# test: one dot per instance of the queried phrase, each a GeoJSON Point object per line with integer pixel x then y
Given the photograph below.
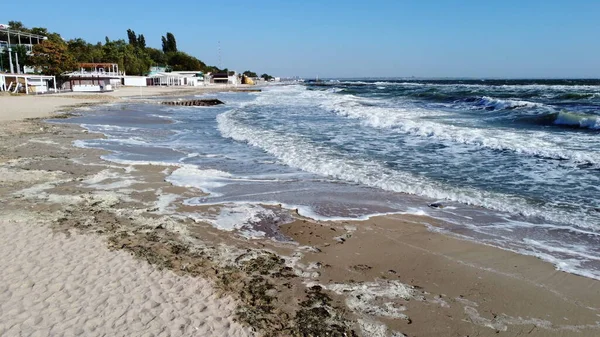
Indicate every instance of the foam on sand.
{"type": "Point", "coordinates": [52, 284]}
{"type": "Point", "coordinates": [206, 180]}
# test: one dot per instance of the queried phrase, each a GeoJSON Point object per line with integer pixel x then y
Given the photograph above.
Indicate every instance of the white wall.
{"type": "Point", "coordinates": [86, 88]}
{"type": "Point", "coordinates": [135, 81]}
{"type": "Point", "coordinates": [40, 86]}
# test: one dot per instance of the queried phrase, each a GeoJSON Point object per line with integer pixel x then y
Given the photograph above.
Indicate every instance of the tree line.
{"type": "Point", "coordinates": [56, 55]}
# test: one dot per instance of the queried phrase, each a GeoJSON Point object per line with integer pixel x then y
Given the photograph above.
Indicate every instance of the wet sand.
{"type": "Point", "coordinates": [387, 276]}
{"type": "Point", "coordinates": [44, 106]}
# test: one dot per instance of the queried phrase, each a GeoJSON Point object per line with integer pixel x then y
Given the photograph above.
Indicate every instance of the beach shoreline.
{"type": "Point", "coordinates": [383, 276]}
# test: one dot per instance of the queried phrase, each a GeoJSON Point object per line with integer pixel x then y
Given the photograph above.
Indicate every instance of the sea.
{"type": "Point", "coordinates": [509, 163]}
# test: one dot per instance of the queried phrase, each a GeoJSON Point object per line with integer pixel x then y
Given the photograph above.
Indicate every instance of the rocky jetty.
{"type": "Point", "coordinates": [195, 102]}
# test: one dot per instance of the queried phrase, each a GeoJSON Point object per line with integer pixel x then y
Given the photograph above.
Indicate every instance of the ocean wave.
{"type": "Point", "coordinates": [578, 120]}
{"type": "Point", "coordinates": [297, 152]}
{"type": "Point", "coordinates": [577, 96]}
{"type": "Point", "coordinates": [487, 85]}
{"type": "Point", "coordinates": [410, 121]}
{"type": "Point", "coordinates": [105, 128]}
{"type": "Point", "coordinates": [491, 103]}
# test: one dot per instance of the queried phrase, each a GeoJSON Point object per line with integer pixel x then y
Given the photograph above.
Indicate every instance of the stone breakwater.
{"type": "Point", "coordinates": [195, 102]}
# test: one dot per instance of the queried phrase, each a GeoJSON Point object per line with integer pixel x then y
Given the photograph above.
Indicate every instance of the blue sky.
{"type": "Point", "coordinates": [349, 38]}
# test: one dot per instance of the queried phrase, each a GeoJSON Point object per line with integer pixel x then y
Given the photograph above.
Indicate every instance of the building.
{"type": "Point", "coordinates": [94, 77]}
{"type": "Point", "coordinates": [27, 83]}
{"type": "Point", "coordinates": [165, 79]}
{"type": "Point", "coordinates": [9, 39]}
{"type": "Point", "coordinates": [135, 81]}
{"type": "Point", "coordinates": [224, 78]}
{"type": "Point", "coordinates": [158, 69]}
{"type": "Point", "coordinates": [177, 78]}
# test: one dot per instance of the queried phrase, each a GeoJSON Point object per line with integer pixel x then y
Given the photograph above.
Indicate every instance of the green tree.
{"type": "Point", "coordinates": [24, 59]}
{"type": "Point", "coordinates": [157, 56]}
{"type": "Point", "coordinates": [266, 77]}
{"type": "Point", "coordinates": [141, 41]}
{"type": "Point", "coordinates": [132, 55]}
{"type": "Point", "coordinates": [17, 25]}
{"type": "Point", "coordinates": [39, 31]}
{"type": "Point", "coordinates": [212, 69]}
{"type": "Point", "coordinates": [169, 44]}
{"type": "Point", "coordinates": [4, 61]}
{"type": "Point", "coordinates": [132, 38]}
{"type": "Point", "coordinates": [180, 61]}
{"type": "Point", "coordinates": [83, 51]}
{"type": "Point", "coordinates": [250, 73]}
{"type": "Point", "coordinates": [52, 58]}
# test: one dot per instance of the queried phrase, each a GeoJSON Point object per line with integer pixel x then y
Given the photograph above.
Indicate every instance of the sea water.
{"type": "Point", "coordinates": [514, 163]}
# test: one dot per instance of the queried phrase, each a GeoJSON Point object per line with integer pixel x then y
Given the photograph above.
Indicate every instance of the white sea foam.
{"type": "Point", "coordinates": [410, 121]}
{"type": "Point", "coordinates": [249, 220]}
{"type": "Point", "coordinates": [500, 104]}
{"type": "Point", "coordinates": [583, 121]}
{"type": "Point", "coordinates": [362, 298]}
{"type": "Point", "coordinates": [207, 180]}
{"type": "Point", "coordinates": [107, 127]}
{"type": "Point", "coordinates": [296, 152]}
{"type": "Point", "coordinates": [237, 216]}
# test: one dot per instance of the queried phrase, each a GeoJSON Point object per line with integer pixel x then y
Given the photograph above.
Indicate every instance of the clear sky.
{"type": "Point", "coordinates": [348, 38]}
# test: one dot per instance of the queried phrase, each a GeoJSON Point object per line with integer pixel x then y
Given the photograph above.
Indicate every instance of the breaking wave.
{"type": "Point", "coordinates": [409, 121]}
{"type": "Point", "coordinates": [297, 152]}
{"type": "Point", "coordinates": [578, 120]}
{"type": "Point", "coordinates": [490, 103]}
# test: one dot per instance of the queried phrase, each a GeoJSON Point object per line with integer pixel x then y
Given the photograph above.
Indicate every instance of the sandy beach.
{"type": "Point", "coordinates": [97, 248]}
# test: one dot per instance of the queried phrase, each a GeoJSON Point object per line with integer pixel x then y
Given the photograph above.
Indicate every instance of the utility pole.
{"type": "Point", "coordinates": [219, 49]}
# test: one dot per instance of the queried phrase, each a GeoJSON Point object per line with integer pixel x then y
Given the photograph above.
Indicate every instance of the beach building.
{"type": "Point", "coordinates": [177, 78]}
{"type": "Point", "coordinates": [158, 69]}
{"type": "Point", "coordinates": [224, 78]}
{"type": "Point", "coordinates": [165, 79]}
{"type": "Point", "coordinates": [135, 81]}
{"type": "Point", "coordinates": [27, 83]}
{"type": "Point", "coordinates": [9, 39]}
{"type": "Point", "coordinates": [94, 77]}
{"type": "Point", "coordinates": [191, 78]}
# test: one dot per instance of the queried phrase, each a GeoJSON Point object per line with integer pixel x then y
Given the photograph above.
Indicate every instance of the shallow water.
{"type": "Point", "coordinates": [515, 163]}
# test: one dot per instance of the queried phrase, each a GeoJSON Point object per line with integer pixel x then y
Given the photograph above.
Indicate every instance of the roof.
{"type": "Point", "coordinates": [95, 75]}
{"type": "Point", "coordinates": [94, 65]}
{"type": "Point", "coordinates": [18, 32]}
{"type": "Point", "coordinates": [220, 75]}
{"type": "Point", "coordinates": [167, 75]}
{"type": "Point", "coordinates": [190, 72]}
{"type": "Point", "coordinates": [47, 77]}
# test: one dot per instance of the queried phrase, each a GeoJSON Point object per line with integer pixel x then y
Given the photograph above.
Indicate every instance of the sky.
{"type": "Point", "coordinates": [348, 38]}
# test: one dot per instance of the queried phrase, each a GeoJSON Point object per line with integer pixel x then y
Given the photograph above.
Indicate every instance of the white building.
{"type": "Point", "coordinates": [224, 78]}
{"type": "Point", "coordinates": [27, 83]}
{"type": "Point", "coordinates": [94, 77]}
{"type": "Point", "coordinates": [177, 78]}
{"type": "Point", "coordinates": [135, 81]}
{"type": "Point", "coordinates": [9, 39]}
